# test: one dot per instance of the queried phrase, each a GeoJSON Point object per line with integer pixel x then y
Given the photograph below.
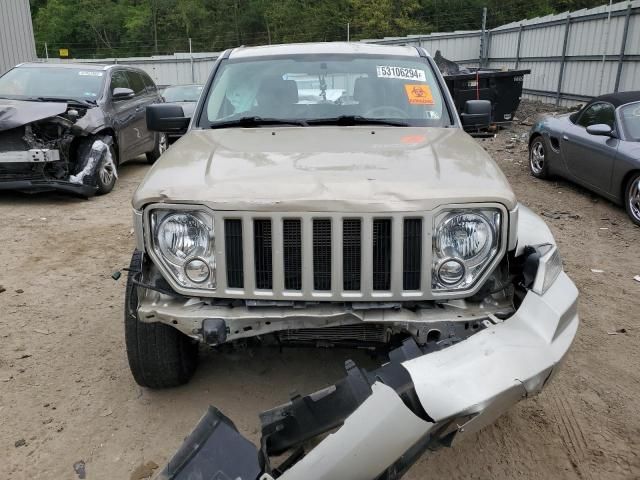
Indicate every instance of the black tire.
{"type": "Point", "coordinates": [102, 168]}
{"type": "Point", "coordinates": [159, 355]}
{"type": "Point", "coordinates": [160, 146]}
{"type": "Point", "coordinates": [538, 162]}
{"type": "Point", "coordinates": [632, 198]}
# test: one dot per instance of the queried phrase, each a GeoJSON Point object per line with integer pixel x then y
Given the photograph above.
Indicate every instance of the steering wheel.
{"type": "Point", "coordinates": [377, 112]}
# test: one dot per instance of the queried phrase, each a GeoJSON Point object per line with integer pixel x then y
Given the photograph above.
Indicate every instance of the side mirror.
{"type": "Point", "coordinates": [122, 93]}
{"type": "Point", "coordinates": [476, 114]}
{"type": "Point", "coordinates": [167, 118]}
{"type": "Point", "coordinates": [600, 129]}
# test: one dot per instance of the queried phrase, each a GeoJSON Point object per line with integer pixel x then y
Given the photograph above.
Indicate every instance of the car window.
{"type": "Point", "coordinates": [182, 93]}
{"type": "Point", "coordinates": [135, 82]}
{"type": "Point", "coordinates": [149, 84]}
{"type": "Point", "coordinates": [118, 80]}
{"type": "Point", "coordinates": [57, 82]}
{"type": "Point", "coordinates": [630, 115]}
{"type": "Point", "coordinates": [317, 87]}
{"type": "Point", "coordinates": [598, 113]}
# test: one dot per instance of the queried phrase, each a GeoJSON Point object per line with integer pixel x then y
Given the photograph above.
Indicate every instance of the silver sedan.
{"type": "Point", "coordinates": [597, 147]}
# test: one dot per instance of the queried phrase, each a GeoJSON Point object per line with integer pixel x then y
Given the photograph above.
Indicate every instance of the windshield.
{"type": "Point", "coordinates": [631, 119]}
{"type": "Point", "coordinates": [51, 82]}
{"type": "Point", "coordinates": [324, 87]}
{"type": "Point", "coordinates": [182, 93]}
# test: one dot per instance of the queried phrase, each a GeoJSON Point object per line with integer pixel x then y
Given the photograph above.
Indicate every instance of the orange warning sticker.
{"type": "Point", "coordinates": [419, 94]}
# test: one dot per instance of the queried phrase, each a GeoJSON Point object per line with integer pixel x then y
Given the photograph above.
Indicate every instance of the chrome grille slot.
{"type": "Point", "coordinates": [292, 253]}
{"type": "Point", "coordinates": [381, 254]}
{"type": "Point", "coordinates": [351, 253]}
{"type": "Point", "coordinates": [263, 253]}
{"type": "Point", "coordinates": [322, 254]}
{"type": "Point", "coordinates": [411, 253]}
{"type": "Point", "coordinates": [233, 252]}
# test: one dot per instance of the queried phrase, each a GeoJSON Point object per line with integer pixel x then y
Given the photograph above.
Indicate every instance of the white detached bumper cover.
{"type": "Point", "coordinates": [476, 380]}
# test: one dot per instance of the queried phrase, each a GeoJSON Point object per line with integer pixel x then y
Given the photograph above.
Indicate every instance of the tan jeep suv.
{"type": "Point", "coordinates": [326, 194]}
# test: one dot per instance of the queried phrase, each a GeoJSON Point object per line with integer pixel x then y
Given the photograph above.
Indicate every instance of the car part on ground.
{"type": "Point", "coordinates": [597, 147]}
{"type": "Point", "coordinates": [69, 127]}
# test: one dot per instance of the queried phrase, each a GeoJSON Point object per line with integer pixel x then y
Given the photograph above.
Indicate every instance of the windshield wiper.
{"type": "Point", "coordinates": [86, 103]}
{"type": "Point", "coordinates": [257, 122]}
{"type": "Point", "coordinates": [349, 120]}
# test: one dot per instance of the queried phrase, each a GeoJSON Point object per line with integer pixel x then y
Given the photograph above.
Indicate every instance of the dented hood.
{"type": "Point", "coordinates": [325, 169]}
{"type": "Point", "coordinates": [15, 113]}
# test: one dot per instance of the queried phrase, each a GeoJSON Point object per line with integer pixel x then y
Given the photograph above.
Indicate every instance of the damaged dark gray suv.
{"type": "Point", "coordinates": [68, 126]}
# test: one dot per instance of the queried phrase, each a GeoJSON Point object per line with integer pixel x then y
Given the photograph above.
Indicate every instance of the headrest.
{"type": "Point", "coordinates": [276, 90]}
{"type": "Point", "coordinates": [365, 88]}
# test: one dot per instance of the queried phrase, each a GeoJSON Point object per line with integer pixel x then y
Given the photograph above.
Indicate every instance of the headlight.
{"type": "Point", "coordinates": [464, 243]}
{"type": "Point", "coordinates": [182, 236]}
{"type": "Point", "coordinates": [185, 242]}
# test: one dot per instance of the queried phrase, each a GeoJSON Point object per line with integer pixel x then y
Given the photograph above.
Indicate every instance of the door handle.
{"type": "Point", "coordinates": [139, 109]}
{"type": "Point", "coordinates": [565, 138]}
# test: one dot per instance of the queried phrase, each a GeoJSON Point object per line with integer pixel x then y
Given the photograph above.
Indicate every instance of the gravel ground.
{"type": "Point", "coordinates": [66, 395]}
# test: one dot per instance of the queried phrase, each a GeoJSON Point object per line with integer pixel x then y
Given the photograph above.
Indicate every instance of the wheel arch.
{"type": "Point", "coordinates": [625, 183]}
{"type": "Point", "coordinates": [112, 133]}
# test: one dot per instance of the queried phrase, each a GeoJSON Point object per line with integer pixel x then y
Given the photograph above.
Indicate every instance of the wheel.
{"type": "Point", "coordinates": [159, 355]}
{"type": "Point", "coordinates": [96, 164]}
{"type": "Point", "coordinates": [107, 173]}
{"type": "Point", "coordinates": [537, 159]}
{"type": "Point", "coordinates": [632, 198]}
{"type": "Point", "coordinates": [162, 143]}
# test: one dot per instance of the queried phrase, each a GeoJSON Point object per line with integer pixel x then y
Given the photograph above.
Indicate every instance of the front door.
{"type": "Point", "coordinates": [590, 158]}
{"type": "Point", "coordinates": [125, 115]}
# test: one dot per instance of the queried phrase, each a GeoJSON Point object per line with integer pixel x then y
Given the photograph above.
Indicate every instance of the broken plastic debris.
{"type": "Point", "coordinates": [116, 275]}
{"type": "Point", "coordinates": [636, 278]}
{"type": "Point", "coordinates": [595, 270]}
{"type": "Point", "coordinates": [79, 468]}
{"type": "Point", "coordinates": [43, 332]}
{"type": "Point", "coordinates": [619, 330]}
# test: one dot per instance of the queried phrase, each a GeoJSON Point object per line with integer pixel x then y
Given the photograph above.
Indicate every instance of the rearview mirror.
{"type": "Point", "coordinates": [476, 114]}
{"type": "Point", "coordinates": [601, 129]}
{"type": "Point", "coordinates": [122, 93]}
{"type": "Point", "coordinates": [167, 118]}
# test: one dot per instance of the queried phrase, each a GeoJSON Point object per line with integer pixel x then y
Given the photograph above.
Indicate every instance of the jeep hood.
{"type": "Point", "coordinates": [365, 169]}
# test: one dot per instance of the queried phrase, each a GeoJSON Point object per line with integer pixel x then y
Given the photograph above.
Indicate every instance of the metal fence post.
{"type": "Point", "coordinates": [564, 58]}
{"type": "Point", "coordinates": [518, 47]}
{"type": "Point", "coordinates": [623, 46]}
{"type": "Point", "coordinates": [483, 38]}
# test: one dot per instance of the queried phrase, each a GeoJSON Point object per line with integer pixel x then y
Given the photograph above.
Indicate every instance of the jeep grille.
{"type": "Point", "coordinates": [334, 251]}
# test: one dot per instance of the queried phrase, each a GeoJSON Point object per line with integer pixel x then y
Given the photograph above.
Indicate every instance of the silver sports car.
{"type": "Point", "coordinates": [597, 147]}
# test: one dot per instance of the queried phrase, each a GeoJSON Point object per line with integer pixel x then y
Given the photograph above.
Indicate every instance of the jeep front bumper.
{"type": "Point", "coordinates": [387, 418]}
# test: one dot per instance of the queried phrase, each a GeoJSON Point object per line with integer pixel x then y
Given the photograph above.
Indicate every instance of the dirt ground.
{"type": "Point", "coordinates": [66, 394]}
